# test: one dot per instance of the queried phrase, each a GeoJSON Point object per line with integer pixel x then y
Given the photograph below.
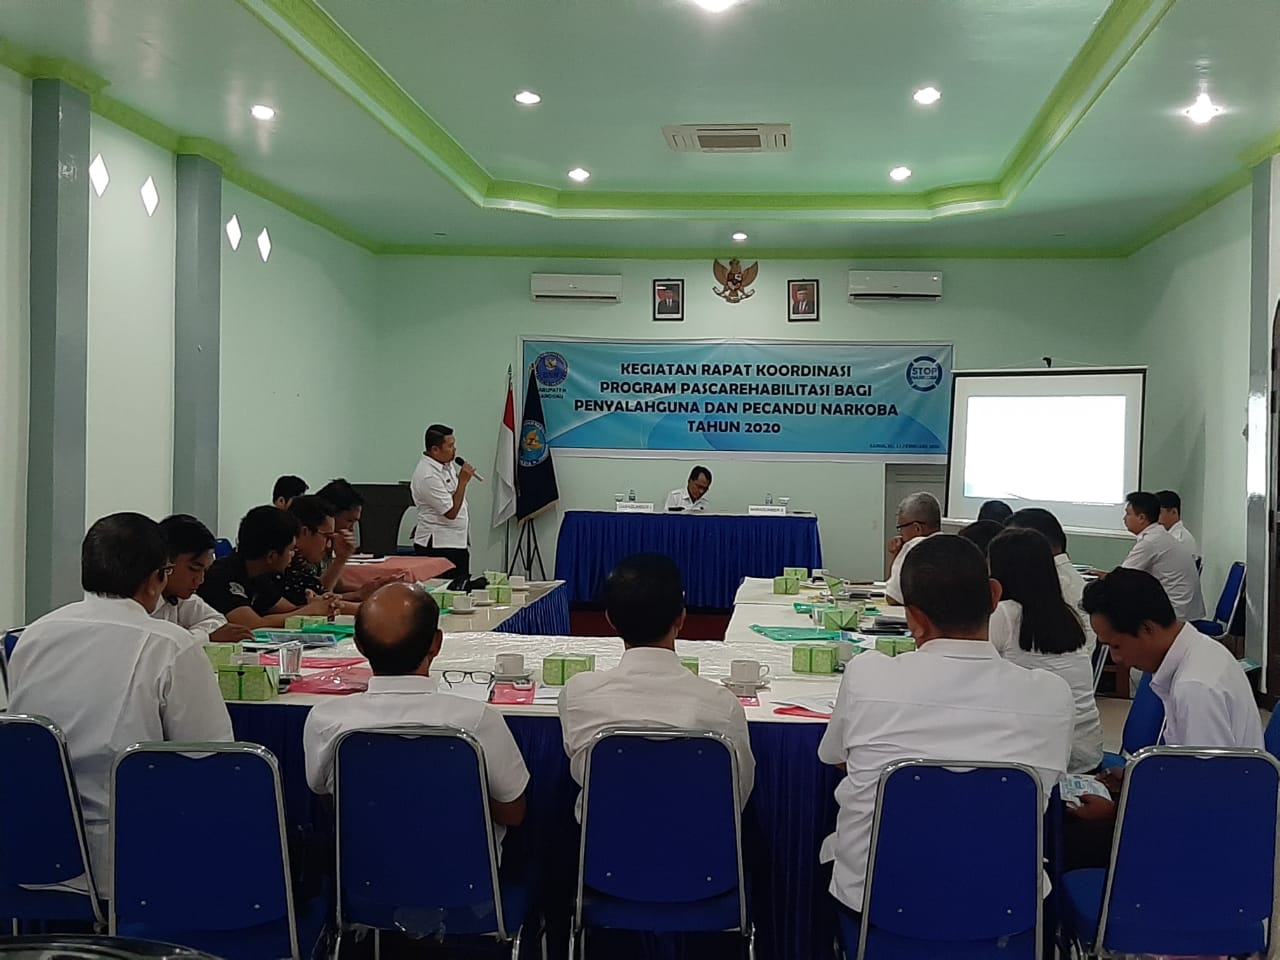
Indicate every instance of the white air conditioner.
{"type": "Point", "coordinates": [605, 288]}
{"type": "Point", "coordinates": [895, 285]}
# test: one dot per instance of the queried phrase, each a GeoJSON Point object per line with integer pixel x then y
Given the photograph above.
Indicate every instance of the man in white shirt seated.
{"type": "Point", "coordinates": [644, 601]}
{"type": "Point", "coordinates": [919, 516]}
{"type": "Point", "coordinates": [1171, 520]}
{"type": "Point", "coordinates": [191, 553]}
{"type": "Point", "coordinates": [1159, 554]}
{"type": "Point", "coordinates": [111, 675]}
{"type": "Point", "coordinates": [693, 498]}
{"type": "Point", "coordinates": [439, 488]}
{"type": "Point", "coordinates": [397, 629]}
{"type": "Point", "coordinates": [954, 698]}
{"type": "Point", "coordinates": [1047, 525]}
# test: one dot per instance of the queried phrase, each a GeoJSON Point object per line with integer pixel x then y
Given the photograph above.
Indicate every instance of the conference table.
{"type": "Point", "coordinates": [714, 551]}
{"type": "Point", "coordinates": [790, 811]}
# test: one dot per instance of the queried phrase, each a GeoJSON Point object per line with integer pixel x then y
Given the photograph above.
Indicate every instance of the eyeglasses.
{"type": "Point", "coordinates": [909, 523]}
{"type": "Point", "coordinates": [453, 677]}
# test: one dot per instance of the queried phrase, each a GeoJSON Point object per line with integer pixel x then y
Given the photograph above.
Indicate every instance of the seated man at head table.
{"type": "Point", "coordinates": [693, 498]}
{"type": "Point", "coordinates": [109, 674]}
{"type": "Point", "coordinates": [1171, 520]}
{"type": "Point", "coordinates": [191, 554]}
{"type": "Point", "coordinates": [1047, 525]}
{"type": "Point", "coordinates": [1158, 553]}
{"type": "Point", "coordinates": [644, 602]}
{"type": "Point", "coordinates": [954, 698]}
{"type": "Point", "coordinates": [1207, 699]}
{"type": "Point", "coordinates": [244, 586]}
{"type": "Point", "coordinates": [919, 517]}
{"type": "Point", "coordinates": [397, 629]}
{"type": "Point", "coordinates": [286, 488]}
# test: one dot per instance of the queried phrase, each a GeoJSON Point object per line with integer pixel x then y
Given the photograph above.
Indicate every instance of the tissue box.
{"type": "Point", "coordinates": [798, 573]}
{"type": "Point", "coordinates": [559, 667]}
{"type": "Point", "coordinates": [249, 682]}
{"type": "Point", "coordinates": [802, 658]}
{"type": "Point", "coordinates": [689, 663]}
{"type": "Point", "coordinates": [834, 585]}
{"type": "Point", "coordinates": [500, 594]}
{"type": "Point", "coordinates": [445, 599]}
{"type": "Point", "coordinates": [892, 646]}
{"type": "Point", "coordinates": [496, 577]}
{"type": "Point", "coordinates": [293, 623]}
{"type": "Point", "coordinates": [841, 618]}
{"type": "Point", "coordinates": [814, 658]}
{"type": "Point", "coordinates": [786, 585]}
{"type": "Point", "coordinates": [220, 654]}
{"type": "Point", "coordinates": [313, 622]}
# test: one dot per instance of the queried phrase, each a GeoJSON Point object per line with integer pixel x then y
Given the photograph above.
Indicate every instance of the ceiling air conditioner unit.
{"type": "Point", "coordinates": [559, 287]}
{"type": "Point", "coordinates": [895, 285]}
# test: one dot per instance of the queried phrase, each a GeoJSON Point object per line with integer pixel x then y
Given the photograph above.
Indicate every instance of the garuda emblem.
{"type": "Point", "coordinates": [734, 280]}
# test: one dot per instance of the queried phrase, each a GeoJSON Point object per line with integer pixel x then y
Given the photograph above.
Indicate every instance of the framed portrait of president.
{"type": "Point", "coordinates": [802, 300]}
{"type": "Point", "coordinates": [668, 300]}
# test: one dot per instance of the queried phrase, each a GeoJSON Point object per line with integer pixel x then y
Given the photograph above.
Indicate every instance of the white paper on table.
{"type": "Point", "coordinates": [467, 690]}
{"type": "Point", "coordinates": [818, 703]}
{"type": "Point", "coordinates": [892, 615]}
{"type": "Point", "coordinates": [545, 694]}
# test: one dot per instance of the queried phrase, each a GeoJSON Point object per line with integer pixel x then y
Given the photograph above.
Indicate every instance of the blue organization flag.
{"type": "Point", "coordinates": [536, 474]}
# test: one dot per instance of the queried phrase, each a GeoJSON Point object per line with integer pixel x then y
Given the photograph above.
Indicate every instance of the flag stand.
{"type": "Point", "coordinates": [528, 542]}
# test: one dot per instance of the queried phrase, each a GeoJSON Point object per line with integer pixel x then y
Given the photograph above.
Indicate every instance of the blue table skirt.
{"type": "Point", "coordinates": [548, 616]}
{"type": "Point", "coordinates": [713, 552]}
{"type": "Point", "coordinates": [791, 809]}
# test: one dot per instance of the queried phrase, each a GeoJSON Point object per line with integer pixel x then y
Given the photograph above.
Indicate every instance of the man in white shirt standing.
{"type": "Point", "coordinates": [693, 498]}
{"type": "Point", "coordinates": [111, 675]}
{"type": "Point", "coordinates": [644, 601]}
{"type": "Point", "coordinates": [919, 516]}
{"type": "Point", "coordinates": [1047, 525]}
{"type": "Point", "coordinates": [439, 488]}
{"type": "Point", "coordinates": [397, 629]}
{"type": "Point", "coordinates": [191, 553]}
{"type": "Point", "coordinates": [954, 698]}
{"type": "Point", "coordinates": [1159, 554]}
{"type": "Point", "coordinates": [1171, 520]}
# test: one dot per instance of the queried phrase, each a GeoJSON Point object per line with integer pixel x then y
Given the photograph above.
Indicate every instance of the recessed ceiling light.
{"type": "Point", "coordinates": [264, 244]}
{"type": "Point", "coordinates": [578, 175]}
{"type": "Point", "coordinates": [261, 111]}
{"type": "Point", "coordinates": [1203, 110]}
{"type": "Point", "coordinates": [715, 6]}
{"type": "Point", "coordinates": [150, 196]}
{"type": "Point", "coordinates": [927, 95]}
{"type": "Point", "coordinates": [440, 233]}
{"type": "Point", "coordinates": [528, 98]}
{"type": "Point", "coordinates": [739, 236]}
{"type": "Point", "coordinates": [899, 173]}
{"type": "Point", "coordinates": [98, 175]}
{"type": "Point", "coordinates": [233, 232]}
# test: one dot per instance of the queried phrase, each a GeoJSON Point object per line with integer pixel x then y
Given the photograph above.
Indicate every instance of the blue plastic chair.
{"type": "Point", "coordinates": [1224, 613]}
{"type": "Point", "coordinates": [200, 852]}
{"type": "Point", "coordinates": [11, 640]}
{"type": "Point", "coordinates": [1193, 866]}
{"type": "Point", "coordinates": [1142, 726]}
{"type": "Point", "coordinates": [1271, 735]}
{"type": "Point", "coordinates": [222, 548]}
{"type": "Point", "coordinates": [936, 891]}
{"type": "Point", "coordinates": [42, 839]}
{"type": "Point", "coordinates": [649, 860]}
{"type": "Point", "coordinates": [431, 875]}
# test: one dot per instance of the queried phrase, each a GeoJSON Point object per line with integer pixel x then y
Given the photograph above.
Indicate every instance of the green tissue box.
{"type": "Point", "coordinates": [500, 594]}
{"type": "Point", "coordinates": [814, 658]}
{"type": "Point", "coordinates": [559, 667]}
{"type": "Point", "coordinates": [834, 585]}
{"type": "Point", "coordinates": [496, 577]}
{"type": "Point", "coordinates": [293, 623]}
{"type": "Point", "coordinates": [802, 658]}
{"type": "Point", "coordinates": [689, 663]}
{"type": "Point", "coordinates": [220, 654]}
{"type": "Point", "coordinates": [786, 585]}
{"type": "Point", "coordinates": [249, 682]}
{"type": "Point", "coordinates": [445, 599]}
{"type": "Point", "coordinates": [798, 573]}
{"type": "Point", "coordinates": [841, 618]}
{"type": "Point", "coordinates": [892, 646]}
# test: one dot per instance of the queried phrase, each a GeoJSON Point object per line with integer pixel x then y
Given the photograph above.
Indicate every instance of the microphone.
{"type": "Point", "coordinates": [462, 463]}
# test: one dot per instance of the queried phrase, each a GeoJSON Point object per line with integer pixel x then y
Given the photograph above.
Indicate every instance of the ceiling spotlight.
{"type": "Point", "coordinates": [927, 95]}
{"type": "Point", "coordinates": [739, 236]}
{"type": "Point", "coordinates": [578, 175]}
{"type": "Point", "coordinates": [260, 111]}
{"type": "Point", "coordinates": [1203, 110]}
{"type": "Point", "coordinates": [899, 173]}
{"type": "Point", "coordinates": [528, 98]}
{"type": "Point", "coordinates": [715, 6]}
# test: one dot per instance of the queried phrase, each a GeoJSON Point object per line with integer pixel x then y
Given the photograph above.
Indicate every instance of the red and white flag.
{"type": "Point", "coordinates": [504, 497]}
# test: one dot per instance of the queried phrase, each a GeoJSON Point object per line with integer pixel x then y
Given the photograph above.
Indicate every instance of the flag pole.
{"type": "Point", "coordinates": [506, 526]}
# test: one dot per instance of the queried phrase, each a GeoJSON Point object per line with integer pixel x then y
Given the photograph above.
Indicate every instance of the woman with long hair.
{"type": "Point", "coordinates": [1033, 627]}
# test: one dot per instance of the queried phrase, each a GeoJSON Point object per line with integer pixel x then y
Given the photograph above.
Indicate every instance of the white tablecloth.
{"type": "Point", "coordinates": [487, 617]}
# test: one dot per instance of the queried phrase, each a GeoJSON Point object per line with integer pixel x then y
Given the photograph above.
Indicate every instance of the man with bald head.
{"type": "Point", "coordinates": [397, 629]}
{"type": "Point", "coordinates": [919, 517]}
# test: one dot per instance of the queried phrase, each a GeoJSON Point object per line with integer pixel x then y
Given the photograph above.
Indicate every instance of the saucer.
{"type": "Point", "coordinates": [463, 613]}
{"type": "Point", "coordinates": [745, 688]}
{"type": "Point", "coordinates": [512, 677]}
{"type": "Point", "coordinates": [482, 603]}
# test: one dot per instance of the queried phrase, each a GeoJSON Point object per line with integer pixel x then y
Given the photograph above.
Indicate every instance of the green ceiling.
{"type": "Point", "coordinates": [1057, 134]}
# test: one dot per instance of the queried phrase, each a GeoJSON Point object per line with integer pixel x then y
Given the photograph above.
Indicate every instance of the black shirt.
{"type": "Point", "coordinates": [228, 586]}
{"type": "Point", "coordinates": [298, 579]}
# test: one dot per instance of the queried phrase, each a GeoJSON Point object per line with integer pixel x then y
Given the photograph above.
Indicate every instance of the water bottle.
{"type": "Point", "coordinates": [631, 495]}
{"type": "Point", "coordinates": [768, 499]}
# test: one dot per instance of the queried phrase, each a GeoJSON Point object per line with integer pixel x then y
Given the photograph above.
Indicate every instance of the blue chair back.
{"type": "Point", "coordinates": [1229, 599]}
{"type": "Point", "coordinates": [222, 548]}
{"type": "Point", "coordinates": [1145, 720]}
{"type": "Point", "coordinates": [412, 871]}
{"type": "Point", "coordinates": [1271, 735]}
{"type": "Point", "coordinates": [11, 641]}
{"type": "Point", "coordinates": [927, 880]}
{"type": "Point", "coordinates": [642, 838]}
{"type": "Point", "coordinates": [42, 838]}
{"type": "Point", "coordinates": [1193, 866]}
{"type": "Point", "coordinates": [199, 847]}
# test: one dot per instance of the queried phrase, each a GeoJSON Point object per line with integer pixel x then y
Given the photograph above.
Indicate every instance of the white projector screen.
{"type": "Point", "coordinates": [1067, 440]}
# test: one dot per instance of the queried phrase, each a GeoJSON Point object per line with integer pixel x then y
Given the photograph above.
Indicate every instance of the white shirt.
{"type": "Point", "coordinates": [650, 688]}
{"type": "Point", "coordinates": [893, 586]}
{"type": "Point", "coordinates": [192, 614]}
{"type": "Point", "coordinates": [110, 675]}
{"type": "Point", "coordinates": [391, 701]}
{"type": "Point", "coordinates": [949, 700]}
{"type": "Point", "coordinates": [1075, 667]}
{"type": "Point", "coordinates": [680, 498]}
{"type": "Point", "coordinates": [1073, 592]}
{"type": "Point", "coordinates": [1174, 565]}
{"type": "Point", "coordinates": [432, 486]}
{"type": "Point", "coordinates": [1180, 533]}
{"type": "Point", "coordinates": [1207, 698]}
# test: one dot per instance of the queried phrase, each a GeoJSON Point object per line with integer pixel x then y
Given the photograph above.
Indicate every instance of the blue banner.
{"type": "Point", "coordinates": [879, 401]}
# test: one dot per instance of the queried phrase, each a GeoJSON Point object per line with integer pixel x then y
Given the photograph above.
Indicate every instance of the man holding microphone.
{"type": "Point", "coordinates": [439, 488]}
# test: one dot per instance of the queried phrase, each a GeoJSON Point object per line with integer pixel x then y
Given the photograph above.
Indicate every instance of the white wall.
{"type": "Point", "coordinates": [129, 423]}
{"type": "Point", "coordinates": [447, 330]}
{"type": "Point", "coordinates": [15, 218]}
{"type": "Point", "coordinates": [295, 334]}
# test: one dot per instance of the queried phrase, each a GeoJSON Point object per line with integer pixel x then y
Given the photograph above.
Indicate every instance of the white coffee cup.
{"type": "Point", "coordinates": [519, 583]}
{"type": "Point", "coordinates": [480, 596]}
{"type": "Point", "coordinates": [509, 664]}
{"type": "Point", "coordinates": [462, 604]}
{"type": "Point", "coordinates": [820, 573]}
{"type": "Point", "coordinates": [748, 671]}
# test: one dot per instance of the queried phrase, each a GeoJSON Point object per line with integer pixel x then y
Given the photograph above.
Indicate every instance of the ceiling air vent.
{"type": "Point", "coordinates": [728, 137]}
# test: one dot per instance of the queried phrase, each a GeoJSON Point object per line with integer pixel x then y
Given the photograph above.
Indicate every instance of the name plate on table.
{"type": "Point", "coordinates": [766, 510]}
{"type": "Point", "coordinates": [630, 506]}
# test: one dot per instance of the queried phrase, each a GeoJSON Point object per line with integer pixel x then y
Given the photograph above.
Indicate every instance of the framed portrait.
{"type": "Point", "coordinates": [668, 299]}
{"type": "Point", "coordinates": [802, 300]}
